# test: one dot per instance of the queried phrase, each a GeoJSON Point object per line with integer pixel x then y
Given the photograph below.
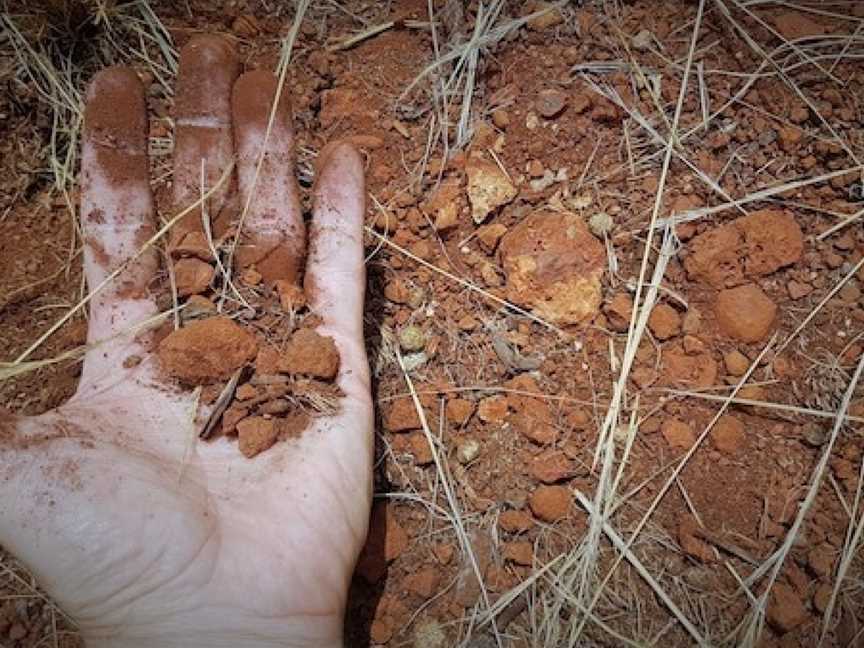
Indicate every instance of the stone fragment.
{"type": "Point", "coordinates": [786, 610]}
{"type": "Point", "coordinates": [206, 350]}
{"type": "Point", "coordinates": [192, 276]}
{"type": "Point", "coordinates": [255, 434]}
{"type": "Point", "coordinates": [751, 246]}
{"type": "Point", "coordinates": [550, 503]}
{"type": "Point", "coordinates": [553, 266]}
{"type": "Point", "coordinates": [745, 313]}
{"type": "Point", "coordinates": [664, 322]}
{"type": "Point", "coordinates": [678, 434]}
{"type": "Point", "coordinates": [728, 434]}
{"type": "Point", "coordinates": [488, 188]}
{"type": "Point", "coordinates": [309, 353]}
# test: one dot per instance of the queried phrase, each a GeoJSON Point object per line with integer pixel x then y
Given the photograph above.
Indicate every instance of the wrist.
{"type": "Point", "coordinates": [306, 632]}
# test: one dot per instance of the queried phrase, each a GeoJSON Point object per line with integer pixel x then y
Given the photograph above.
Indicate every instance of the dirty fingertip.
{"type": "Point", "coordinates": [339, 157]}
{"type": "Point", "coordinates": [252, 101]}
{"type": "Point", "coordinates": [115, 113]}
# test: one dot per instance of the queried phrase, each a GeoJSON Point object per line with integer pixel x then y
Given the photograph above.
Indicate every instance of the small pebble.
{"type": "Point", "coordinates": [642, 40]}
{"type": "Point", "coordinates": [550, 103]}
{"type": "Point", "coordinates": [412, 338]}
{"type": "Point", "coordinates": [467, 451]}
{"type": "Point", "coordinates": [600, 223]}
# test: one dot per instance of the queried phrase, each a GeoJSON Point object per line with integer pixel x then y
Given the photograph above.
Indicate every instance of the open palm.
{"type": "Point", "coordinates": [147, 536]}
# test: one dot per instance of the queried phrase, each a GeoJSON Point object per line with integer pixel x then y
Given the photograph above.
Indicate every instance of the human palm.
{"type": "Point", "coordinates": [146, 535]}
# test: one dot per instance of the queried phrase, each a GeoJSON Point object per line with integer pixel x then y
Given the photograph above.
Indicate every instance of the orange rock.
{"type": "Point", "coordinates": [397, 292]}
{"type": "Point", "coordinates": [385, 542]}
{"type": "Point", "coordinates": [618, 311]}
{"type": "Point", "coordinates": [750, 246]}
{"type": "Point", "coordinates": [736, 363]}
{"type": "Point", "coordinates": [550, 102]}
{"type": "Point", "coordinates": [206, 350]}
{"type": "Point", "coordinates": [679, 368]}
{"type": "Point", "coordinates": [420, 449]}
{"type": "Point", "coordinates": [232, 416]}
{"type": "Point", "coordinates": [790, 137]}
{"type": "Point", "coordinates": [664, 322]}
{"type": "Point", "coordinates": [192, 276]}
{"type": "Point", "coordinates": [745, 313]}
{"type": "Point", "coordinates": [401, 415]}
{"type": "Point", "coordinates": [245, 392]}
{"type": "Point", "coordinates": [728, 434]}
{"type": "Point", "coordinates": [255, 434]}
{"type": "Point", "coordinates": [423, 583]}
{"type": "Point", "coordinates": [267, 360]}
{"type": "Point", "coordinates": [550, 503]}
{"type": "Point", "coordinates": [336, 105]}
{"type": "Point", "coordinates": [677, 433]}
{"type": "Point", "coordinates": [515, 521]}
{"type": "Point", "coordinates": [535, 424]}
{"type": "Point", "coordinates": [311, 354]}
{"type": "Point", "coordinates": [381, 630]}
{"type": "Point", "coordinates": [459, 410]}
{"type": "Point", "coordinates": [489, 235]}
{"type": "Point", "coordinates": [690, 543]}
{"type": "Point", "coordinates": [492, 409]}
{"type": "Point", "coordinates": [820, 560]}
{"type": "Point", "coordinates": [551, 466]}
{"type": "Point", "coordinates": [193, 244]}
{"type": "Point", "coordinates": [445, 204]}
{"type": "Point", "coordinates": [786, 611]}
{"type": "Point", "coordinates": [519, 552]}
{"type": "Point", "coordinates": [553, 266]}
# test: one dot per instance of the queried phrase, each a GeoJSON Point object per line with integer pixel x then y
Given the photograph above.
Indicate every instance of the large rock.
{"type": "Point", "coordinates": [553, 266]}
{"type": "Point", "coordinates": [750, 246]}
{"type": "Point", "coordinates": [207, 350]}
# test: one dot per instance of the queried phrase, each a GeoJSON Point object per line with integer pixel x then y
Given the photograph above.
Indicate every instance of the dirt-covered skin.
{"type": "Point", "coordinates": [143, 535]}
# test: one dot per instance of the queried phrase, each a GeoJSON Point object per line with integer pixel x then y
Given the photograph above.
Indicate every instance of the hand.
{"type": "Point", "coordinates": [145, 535]}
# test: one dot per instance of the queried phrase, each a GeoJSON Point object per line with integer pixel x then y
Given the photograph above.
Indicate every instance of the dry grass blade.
{"type": "Point", "coordinates": [452, 502]}
{"type": "Point", "coordinates": [774, 563]}
{"type": "Point", "coordinates": [676, 473]}
{"type": "Point", "coordinates": [724, 11]}
{"type": "Point", "coordinates": [620, 545]}
{"type": "Point", "coordinates": [762, 194]}
{"type": "Point", "coordinates": [822, 302]}
{"type": "Point", "coordinates": [780, 407]}
{"type": "Point", "coordinates": [851, 547]}
{"type": "Point", "coordinates": [10, 370]}
{"type": "Point", "coordinates": [371, 32]}
{"type": "Point", "coordinates": [584, 574]}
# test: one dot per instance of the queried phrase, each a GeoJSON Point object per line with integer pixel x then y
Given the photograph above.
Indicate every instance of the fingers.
{"type": "Point", "coordinates": [117, 211]}
{"type": "Point", "coordinates": [202, 133]}
{"type": "Point", "coordinates": [273, 221]}
{"type": "Point", "coordinates": [335, 280]}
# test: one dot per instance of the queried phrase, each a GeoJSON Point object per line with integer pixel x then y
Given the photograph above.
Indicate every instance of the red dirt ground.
{"type": "Point", "coordinates": [516, 404]}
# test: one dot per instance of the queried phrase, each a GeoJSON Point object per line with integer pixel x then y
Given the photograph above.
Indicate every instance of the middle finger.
{"type": "Point", "coordinates": [202, 134]}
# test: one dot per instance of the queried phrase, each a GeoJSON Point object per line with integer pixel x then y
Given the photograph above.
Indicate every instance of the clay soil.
{"type": "Point", "coordinates": [503, 268]}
